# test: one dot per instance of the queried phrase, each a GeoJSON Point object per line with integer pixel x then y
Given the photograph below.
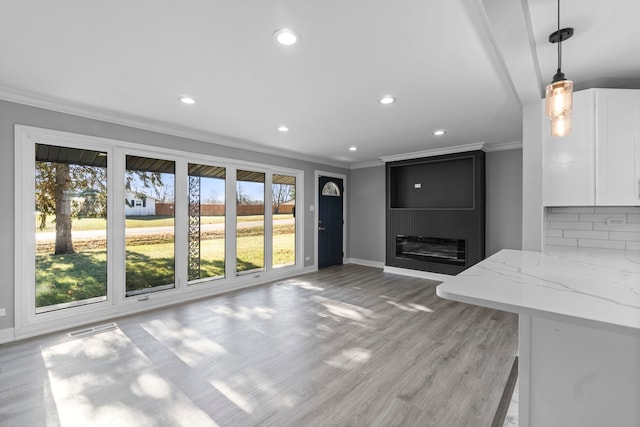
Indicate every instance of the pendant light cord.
{"type": "Point", "coordinates": [559, 41]}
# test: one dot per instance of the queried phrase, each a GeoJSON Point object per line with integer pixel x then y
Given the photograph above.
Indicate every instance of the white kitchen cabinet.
{"type": "Point", "coordinates": [568, 165]}
{"type": "Point", "coordinates": [618, 147]}
{"type": "Point", "coordinates": [598, 164]}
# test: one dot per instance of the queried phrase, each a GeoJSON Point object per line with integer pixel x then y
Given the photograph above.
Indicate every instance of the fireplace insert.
{"type": "Point", "coordinates": [431, 249]}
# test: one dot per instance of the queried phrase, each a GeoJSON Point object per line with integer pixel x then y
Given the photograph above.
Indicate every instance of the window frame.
{"type": "Point", "coordinates": [28, 323]}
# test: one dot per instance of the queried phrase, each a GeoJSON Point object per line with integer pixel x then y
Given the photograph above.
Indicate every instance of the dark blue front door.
{"type": "Point", "coordinates": [330, 221]}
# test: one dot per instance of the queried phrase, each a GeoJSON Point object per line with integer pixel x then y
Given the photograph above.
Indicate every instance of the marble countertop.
{"type": "Point", "coordinates": [601, 285]}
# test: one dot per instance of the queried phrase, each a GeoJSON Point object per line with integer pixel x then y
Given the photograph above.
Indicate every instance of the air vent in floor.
{"type": "Point", "coordinates": [93, 330]}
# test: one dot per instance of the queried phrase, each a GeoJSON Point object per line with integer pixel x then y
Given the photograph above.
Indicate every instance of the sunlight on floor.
{"type": "Point", "coordinates": [245, 313]}
{"type": "Point", "coordinates": [253, 391]}
{"type": "Point", "coordinates": [238, 399]}
{"type": "Point", "coordinates": [412, 307]}
{"type": "Point", "coordinates": [104, 379]}
{"type": "Point", "coordinates": [187, 344]}
{"type": "Point", "coordinates": [151, 385]}
{"type": "Point", "coordinates": [350, 358]}
{"type": "Point", "coordinates": [344, 310]}
{"type": "Point", "coordinates": [304, 285]}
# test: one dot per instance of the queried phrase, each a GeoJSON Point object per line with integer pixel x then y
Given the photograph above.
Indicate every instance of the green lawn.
{"type": "Point", "coordinates": [79, 276]}
{"type": "Point", "coordinates": [81, 224]}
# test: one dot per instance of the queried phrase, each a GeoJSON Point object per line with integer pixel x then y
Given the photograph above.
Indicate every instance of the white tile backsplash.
{"type": "Point", "coordinates": [600, 217]}
{"type": "Point", "coordinates": [570, 225]}
{"type": "Point", "coordinates": [572, 209]}
{"type": "Point", "coordinates": [621, 235]}
{"type": "Point", "coordinates": [554, 233]}
{"type": "Point", "coordinates": [615, 227]}
{"type": "Point", "coordinates": [563, 217]}
{"type": "Point", "coordinates": [560, 241]}
{"type": "Point", "coordinates": [586, 234]}
{"type": "Point", "coordinates": [617, 209]}
{"type": "Point", "coordinates": [604, 244]}
{"type": "Point", "coordinates": [633, 246]}
{"type": "Point", "coordinates": [633, 217]}
{"type": "Point", "coordinates": [586, 226]}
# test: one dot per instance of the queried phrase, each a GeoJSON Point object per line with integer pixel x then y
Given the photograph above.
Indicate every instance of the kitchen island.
{"type": "Point", "coordinates": [579, 330]}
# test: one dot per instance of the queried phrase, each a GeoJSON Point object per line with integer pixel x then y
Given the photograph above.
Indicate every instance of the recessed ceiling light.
{"type": "Point", "coordinates": [353, 148]}
{"type": "Point", "coordinates": [286, 37]}
{"type": "Point", "coordinates": [187, 100]}
{"type": "Point", "coordinates": [387, 100]}
{"type": "Point", "coordinates": [439, 132]}
{"type": "Point", "coordinates": [283, 129]}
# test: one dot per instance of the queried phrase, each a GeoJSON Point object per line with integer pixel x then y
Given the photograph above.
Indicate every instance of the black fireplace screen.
{"type": "Point", "coordinates": [431, 249]}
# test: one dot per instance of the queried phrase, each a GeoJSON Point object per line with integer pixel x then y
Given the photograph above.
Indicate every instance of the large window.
{"type": "Point", "coordinates": [105, 225]}
{"type": "Point", "coordinates": [150, 224]}
{"type": "Point", "coordinates": [71, 227]}
{"type": "Point", "coordinates": [283, 198]}
{"type": "Point", "coordinates": [206, 221]}
{"type": "Point", "coordinates": [249, 221]}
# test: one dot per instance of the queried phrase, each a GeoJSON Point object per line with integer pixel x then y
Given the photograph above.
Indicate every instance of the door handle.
{"type": "Point", "coordinates": [321, 228]}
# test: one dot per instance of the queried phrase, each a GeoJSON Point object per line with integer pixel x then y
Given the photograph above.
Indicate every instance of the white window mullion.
{"type": "Point", "coordinates": [116, 226]}
{"type": "Point", "coordinates": [25, 301]}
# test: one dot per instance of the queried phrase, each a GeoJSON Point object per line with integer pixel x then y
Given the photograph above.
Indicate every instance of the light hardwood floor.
{"type": "Point", "coordinates": [345, 346]}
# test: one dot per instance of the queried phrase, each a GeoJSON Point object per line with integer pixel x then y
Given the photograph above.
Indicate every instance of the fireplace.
{"type": "Point", "coordinates": [436, 212]}
{"type": "Point", "coordinates": [431, 249]}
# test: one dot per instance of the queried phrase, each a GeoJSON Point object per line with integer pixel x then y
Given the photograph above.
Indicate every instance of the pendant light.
{"type": "Point", "coordinates": [559, 93]}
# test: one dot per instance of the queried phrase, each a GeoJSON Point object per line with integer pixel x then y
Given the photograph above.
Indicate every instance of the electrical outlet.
{"type": "Point", "coordinates": [307, 258]}
{"type": "Point", "coordinates": [3, 312]}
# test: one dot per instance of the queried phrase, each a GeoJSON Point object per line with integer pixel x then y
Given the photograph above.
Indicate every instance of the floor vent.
{"type": "Point", "coordinates": [93, 330]}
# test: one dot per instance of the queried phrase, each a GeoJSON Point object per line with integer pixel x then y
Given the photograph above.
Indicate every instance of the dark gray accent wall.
{"type": "Point", "coordinates": [503, 207]}
{"type": "Point", "coordinates": [366, 211]}
{"type": "Point", "coordinates": [436, 211]}
{"type": "Point", "coordinates": [504, 200]}
{"type": "Point", "coordinates": [13, 113]}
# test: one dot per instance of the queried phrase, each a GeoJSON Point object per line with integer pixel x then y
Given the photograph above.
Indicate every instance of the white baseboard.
{"type": "Point", "coordinates": [365, 262]}
{"type": "Point", "coordinates": [417, 273]}
{"type": "Point", "coordinates": [6, 335]}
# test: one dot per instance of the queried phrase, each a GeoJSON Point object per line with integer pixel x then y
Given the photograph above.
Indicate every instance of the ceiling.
{"type": "Point", "coordinates": [466, 66]}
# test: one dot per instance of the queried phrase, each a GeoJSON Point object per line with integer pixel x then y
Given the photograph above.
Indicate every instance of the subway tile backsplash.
{"type": "Point", "coordinates": [609, 227]}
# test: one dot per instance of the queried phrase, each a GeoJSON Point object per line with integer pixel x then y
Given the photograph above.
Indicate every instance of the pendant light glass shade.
{"type": "Point", "coordinates": [561, 125]}
{"type": "Point", "coordinates": [558, 106]}
{"type": "Point", "coordinates": [559, 93]}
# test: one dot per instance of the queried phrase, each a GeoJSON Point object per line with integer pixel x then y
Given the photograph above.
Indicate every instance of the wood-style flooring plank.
{"type": "Point", "coordinates": [344, 346]}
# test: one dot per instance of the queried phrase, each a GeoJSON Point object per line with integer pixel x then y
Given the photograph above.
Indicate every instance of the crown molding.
{"type": "Point", "coordinates": [81, 110]}
{"type": "Point", "coordinates": [502, 146]}
{"type": "Point", "coordinates": [371, 164]}
{"type": "Point", "coordinates": [434, 152]}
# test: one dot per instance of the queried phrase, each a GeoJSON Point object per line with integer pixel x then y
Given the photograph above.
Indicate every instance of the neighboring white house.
{"type": "Point", "coordinates": [139, 205]}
